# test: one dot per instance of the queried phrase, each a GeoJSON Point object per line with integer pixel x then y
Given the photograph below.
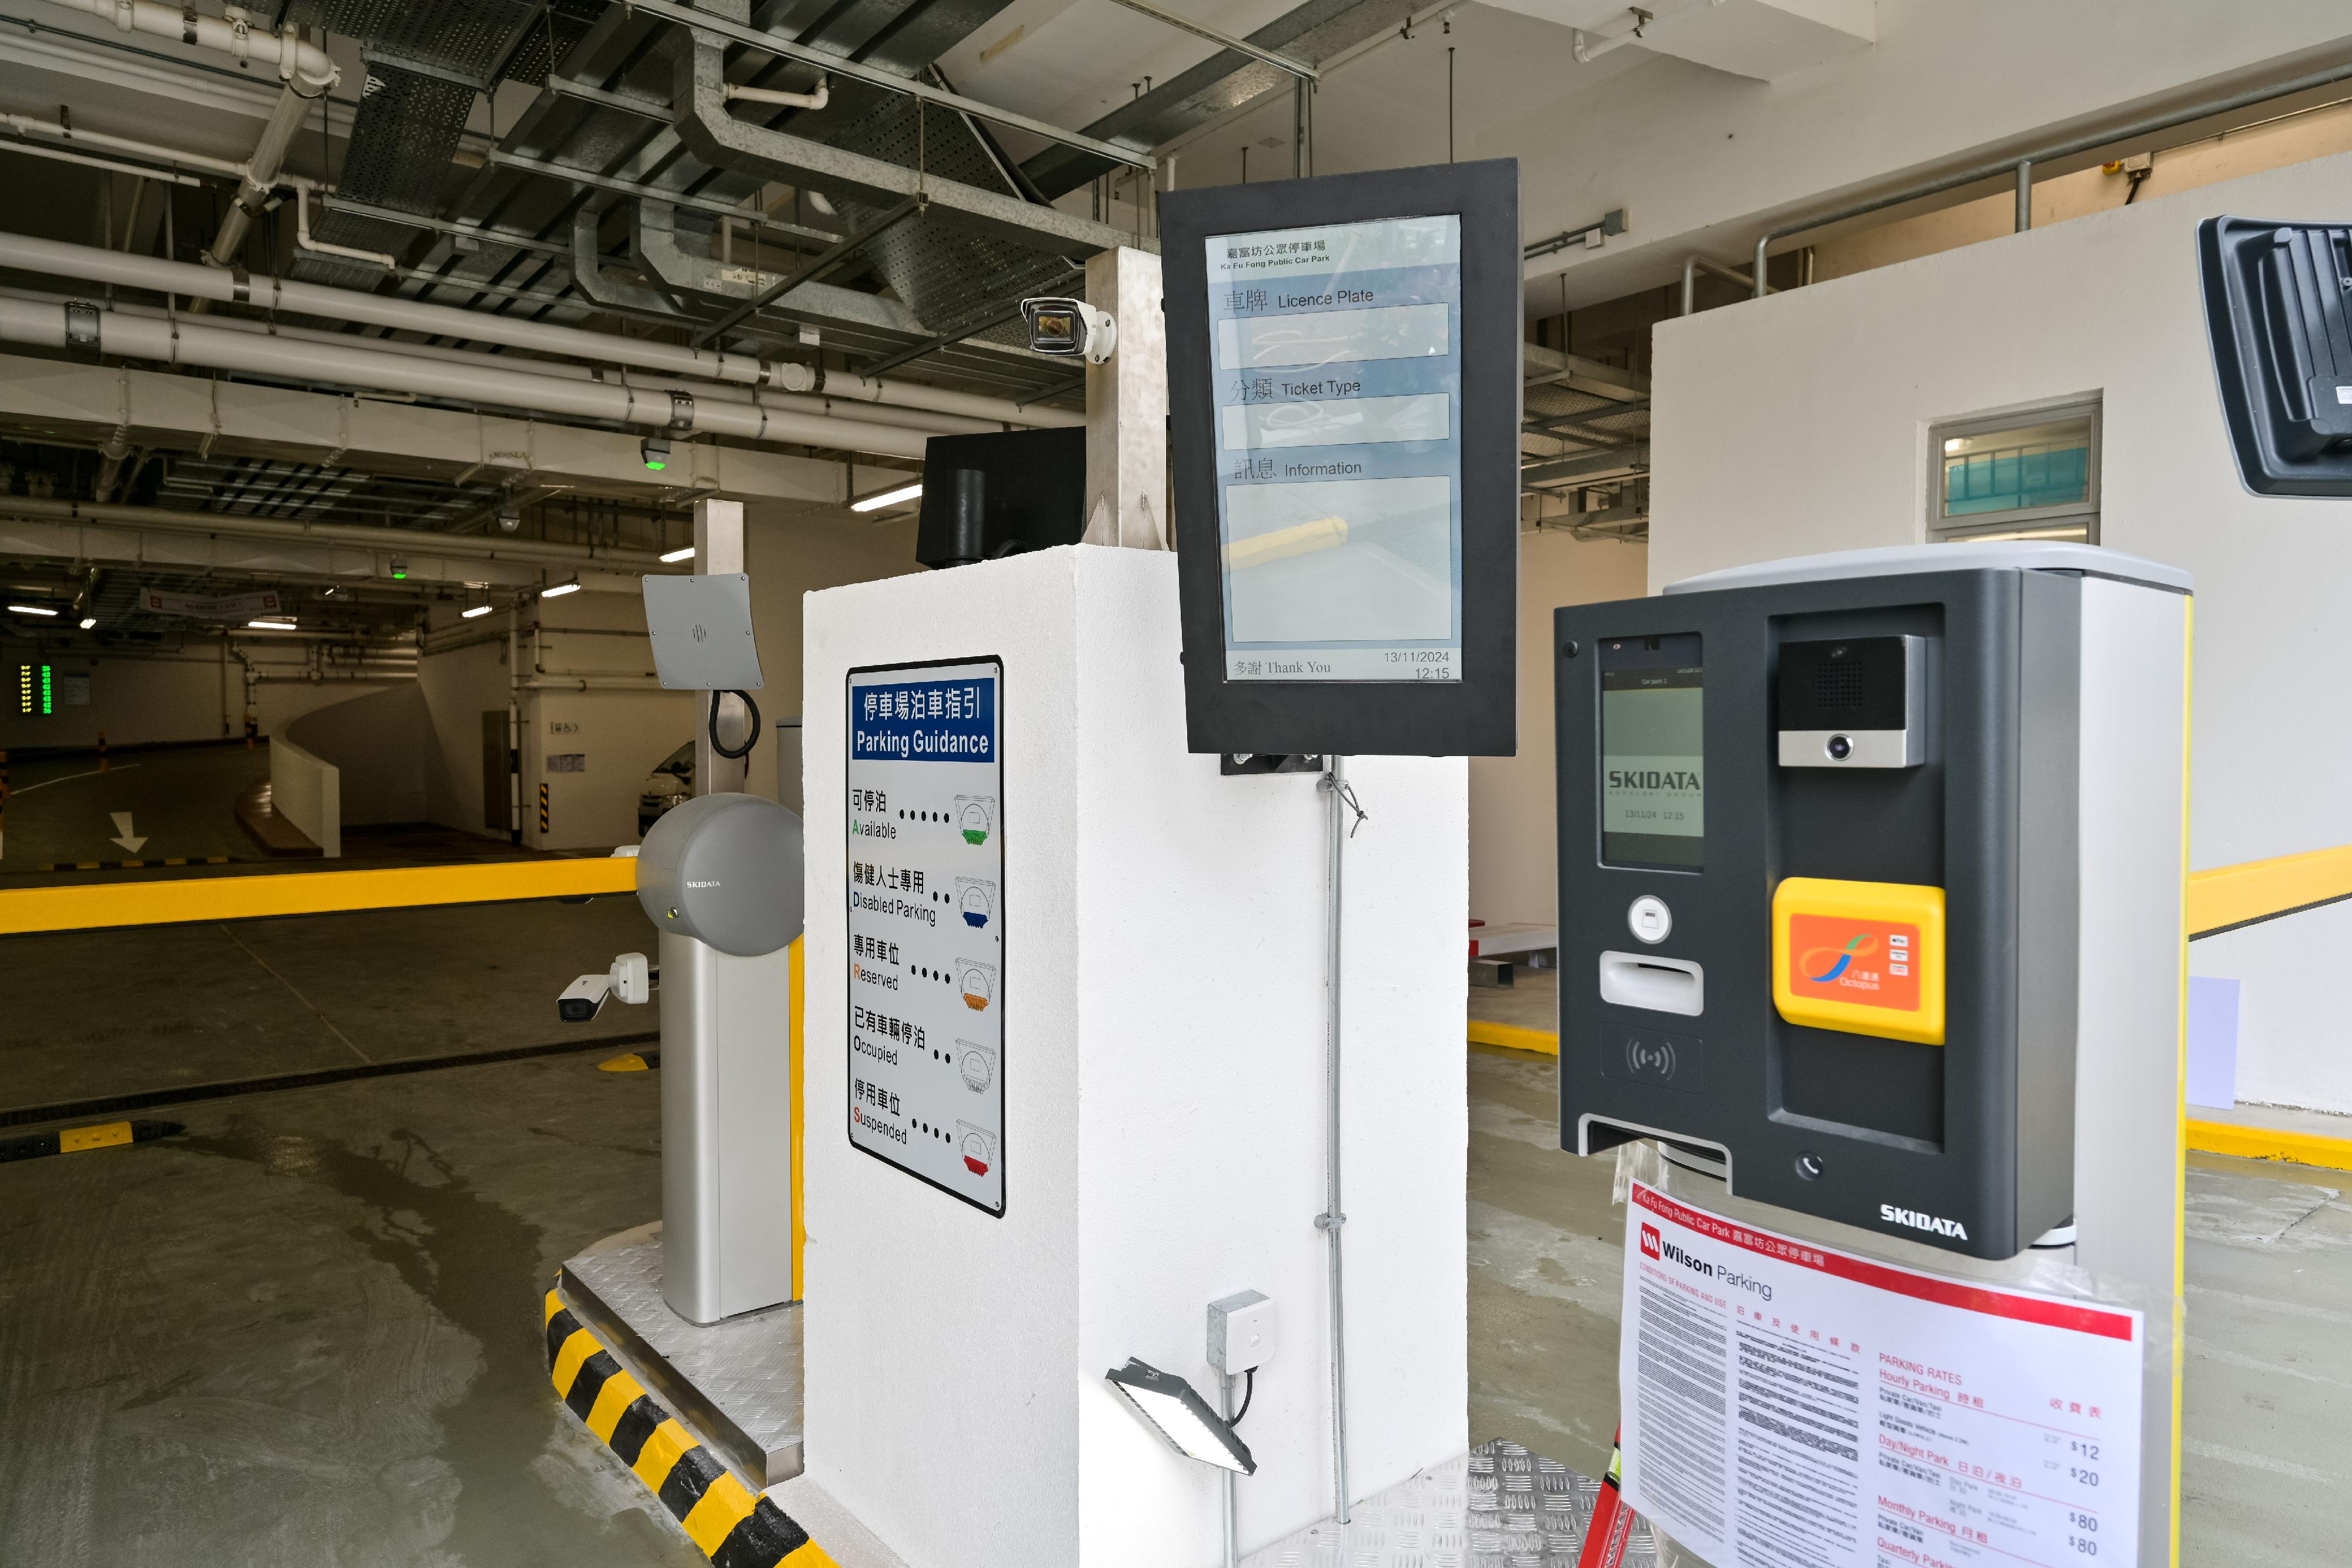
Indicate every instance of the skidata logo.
{"type": "Point", "coordinates": [1918, 1222]}
{"type": "Point", "coordinates": [1649, 1242]}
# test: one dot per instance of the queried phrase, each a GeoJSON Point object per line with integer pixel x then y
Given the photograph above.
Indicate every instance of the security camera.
{"type": "Point", "coordinates": [1069, 329]}
{"type": "Point", "coordinates": [630, 978]}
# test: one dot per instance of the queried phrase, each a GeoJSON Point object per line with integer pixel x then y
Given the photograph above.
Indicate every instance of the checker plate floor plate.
{"type": "Point", "coordinates": [1498, 1506]}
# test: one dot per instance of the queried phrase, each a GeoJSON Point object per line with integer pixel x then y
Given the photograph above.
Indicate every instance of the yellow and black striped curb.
{"type": "Point", "coordinates": [734, 1526]}
{"type": "Point", "coordinates": [74, 1140]}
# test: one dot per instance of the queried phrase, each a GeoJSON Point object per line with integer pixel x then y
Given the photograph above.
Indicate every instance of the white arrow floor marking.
{"type": "Point", "coordinates": [123, 834]}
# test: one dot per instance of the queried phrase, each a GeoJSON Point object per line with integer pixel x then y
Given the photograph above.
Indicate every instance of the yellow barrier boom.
{"type": "Point", "coordinates": [95, 905]}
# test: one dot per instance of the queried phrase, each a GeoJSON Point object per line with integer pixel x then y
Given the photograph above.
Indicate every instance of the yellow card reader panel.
{"type": "Point", "coordinates": [1864, 957]}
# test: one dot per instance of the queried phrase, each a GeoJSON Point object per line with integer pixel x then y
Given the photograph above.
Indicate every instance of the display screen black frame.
{"type": "Point", "coordinates": [1476, 715]}
{"type": "Point", "coordinates": [1677, 660]}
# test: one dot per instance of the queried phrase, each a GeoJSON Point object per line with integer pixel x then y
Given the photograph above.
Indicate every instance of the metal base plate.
{"type": "Point", "coordinates": [736, 1382]}
{"type": "Point", "coordinates": [1498, 1506]}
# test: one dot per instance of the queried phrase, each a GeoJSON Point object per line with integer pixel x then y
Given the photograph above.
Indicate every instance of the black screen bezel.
{"type": "Point", "coordinates": [1476, 715]}
{"type": "Point", "coordinates": [1613, 655]}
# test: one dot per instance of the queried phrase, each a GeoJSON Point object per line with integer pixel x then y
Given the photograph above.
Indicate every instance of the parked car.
{"type": "Point", "coordinates": [672, 784]}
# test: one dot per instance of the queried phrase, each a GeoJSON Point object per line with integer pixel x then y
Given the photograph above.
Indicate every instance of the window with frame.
{"type": "Point", "coordinates": [2020, 476]}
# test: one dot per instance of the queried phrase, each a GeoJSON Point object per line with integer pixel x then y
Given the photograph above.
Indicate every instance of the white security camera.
{"type": "Point", "coordinates": [1069, 329]}
{"type": "Point", "coordinates": [630, 978]}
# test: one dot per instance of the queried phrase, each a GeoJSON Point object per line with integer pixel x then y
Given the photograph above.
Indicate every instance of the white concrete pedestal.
{"type": "Point", "coordinates": [1164, 1067]}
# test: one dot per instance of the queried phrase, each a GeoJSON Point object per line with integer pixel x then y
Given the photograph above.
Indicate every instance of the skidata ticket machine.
{"type": "Point", "coordinates": [1851, 854]}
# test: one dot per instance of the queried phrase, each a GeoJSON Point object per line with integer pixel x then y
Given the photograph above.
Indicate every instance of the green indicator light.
{"type": "Point", "coordinates": [655, 463]}
{"type": "Point", "coordinates": [48, 702]}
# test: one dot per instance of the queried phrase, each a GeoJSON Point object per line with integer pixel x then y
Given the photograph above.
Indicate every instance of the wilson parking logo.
{"type": "Point", "coordinates": [1650, 1241]}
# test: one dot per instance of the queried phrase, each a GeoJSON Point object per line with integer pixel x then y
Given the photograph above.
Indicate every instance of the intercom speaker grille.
{"type": "Point", "coordinates": [1837, 682]}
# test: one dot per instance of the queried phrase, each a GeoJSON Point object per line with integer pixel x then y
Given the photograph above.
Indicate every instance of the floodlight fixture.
{"type": "Point", "coordinates": [476, 611]}
{"type": "Point", "coordinates": [1181, 1416]}
{"type": "Point", "coordinates": [87, 621]}
{"type": "Point", "coordinates": [280, 623]}
{"type": "Point", "coordinates": [678, 555]}
{"type": "Point", "coordinates": [560, 589]}
{"type": "Point", "coordinates": [880, 500]}
{"type": "Point", "coordinates": [655, 451]}
{"type": "Point", "coordinates": [30, 610]}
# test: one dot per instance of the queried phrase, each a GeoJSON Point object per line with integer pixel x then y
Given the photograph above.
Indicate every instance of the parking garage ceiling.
{"type": "Point", "coordinates": [797, 200]}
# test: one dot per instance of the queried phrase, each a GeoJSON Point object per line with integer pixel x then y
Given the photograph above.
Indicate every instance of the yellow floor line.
{"type": "Point", "coordinates": [1514, 1038]}
{"type": "Point", "coordinates": [2271, 1144]}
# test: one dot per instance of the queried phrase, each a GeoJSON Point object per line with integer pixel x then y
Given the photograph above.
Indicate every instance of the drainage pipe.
{"type": "Point", "coordinates": [2021, 167]}
{"type": "Point", "coordinates": [189, 343]}
{"type": "Point", "coordinates": [391, 541]}
{"type": "Point", "coordinates": [89, 264]}
{"type": "Point", "coordinates": [295, 57]}
{"type": "Point", "coordinates": [811, 403]}
{"type": "Point", "coordinates": [260, 178]}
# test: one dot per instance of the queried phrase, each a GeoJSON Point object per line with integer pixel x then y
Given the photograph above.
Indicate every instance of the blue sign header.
{"type": "Point", "coordinates": [924, 721]}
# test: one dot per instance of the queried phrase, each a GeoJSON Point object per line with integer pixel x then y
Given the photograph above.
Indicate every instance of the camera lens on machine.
{"type": "Point", "coordinates": [1841, 748]}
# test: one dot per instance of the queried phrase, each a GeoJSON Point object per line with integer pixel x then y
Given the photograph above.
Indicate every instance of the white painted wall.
{"type": "Point", "coordinates": [1800, 424]}
{"type": "Point", "coordinates": [1165, 1073]}
{"type": "Point", "coordinates": [380, 743]}
{"type": "Point", "coordinates": [142, 700]}
{"type": "Point", "coordinates": [459, 686]}
{"type": "Point", "coordinates": [307, 790]}
{"type": "Point", "coordinates": [1514, 807]}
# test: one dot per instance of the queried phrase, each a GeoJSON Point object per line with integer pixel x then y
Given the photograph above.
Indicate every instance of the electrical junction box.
{"type": "Point", "coordinates": [1241, 1333]}
{"type": "Point", "coordinates": [1827, 924]}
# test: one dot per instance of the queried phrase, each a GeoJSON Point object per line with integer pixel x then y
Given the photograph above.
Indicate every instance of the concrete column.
{"type": "Point", "coordinates": [718, 548]}
{"type": "Point", "coordinates": [1127, 407]}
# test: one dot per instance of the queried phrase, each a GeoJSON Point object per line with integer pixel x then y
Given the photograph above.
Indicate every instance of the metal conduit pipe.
{"type": "Point", "coordinates": [394, 541]}
{"type": "Point", "coordinates": [189, 343]}
{"type": "Point", "coordinates": [91, 263]}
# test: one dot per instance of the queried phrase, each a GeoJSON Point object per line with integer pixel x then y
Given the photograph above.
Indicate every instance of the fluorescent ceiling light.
{"type": "Point", "coordinates": [560, 589]}
{"type": "Point", "coordinates": [685, 554]}
{"type": "Point", "coordinates": [87, 621]}
{"type": "Point", "coordinates": [30, 610]}
{"type": "Point", "coordinates": [269, 625]}
{"type": "Point", "coordinates": [1181, 1416]}
{"type": "Point", "coordinates": [476, 609]}
{"type": "Point", "coordinates": [888, 498]}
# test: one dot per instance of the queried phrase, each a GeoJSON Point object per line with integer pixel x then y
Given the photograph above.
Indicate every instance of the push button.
{"type": "Point", "coordinates": [1650, 919]}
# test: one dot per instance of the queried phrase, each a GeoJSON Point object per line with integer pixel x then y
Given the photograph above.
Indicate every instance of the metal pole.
{"type": "Point", "coordinates": [1334, 1219]}
{"type": "Point", "coordinates": [2024, 194]}
{"type": "Point", "coordinates": [1298, 129]}
{"type": "Point", "coordinates": [1225, 1408]}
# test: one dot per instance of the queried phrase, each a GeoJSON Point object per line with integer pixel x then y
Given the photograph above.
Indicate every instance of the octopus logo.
{"type": "Point", "coordinates": [1834, 962]}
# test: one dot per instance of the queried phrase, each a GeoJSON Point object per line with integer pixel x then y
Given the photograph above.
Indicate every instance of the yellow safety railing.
{"type": "Point", "coordinates": [85, 907]}
{"type": "Point", "coordinates": [2233, 895]}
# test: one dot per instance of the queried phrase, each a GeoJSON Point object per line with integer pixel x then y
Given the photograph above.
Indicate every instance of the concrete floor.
{"type": "Point", "coordinates": [308, 1331]}
{"type": "Point", "coordinates": [111, 1012]}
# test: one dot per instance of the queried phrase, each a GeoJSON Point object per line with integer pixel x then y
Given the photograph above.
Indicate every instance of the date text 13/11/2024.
{"type": "Point", "coordinates": [1409, 664]}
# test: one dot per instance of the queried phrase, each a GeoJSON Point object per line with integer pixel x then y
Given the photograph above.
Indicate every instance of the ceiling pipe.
{"type": "Point", "coordinates": [91, 264]}
{"type": "Point", "coordinates": [232, 33]}
{"type": "Point", "coordinates": [736, 93]}
{"type": "Point", "coordinates": [189, 343]}
{"type": "Point", "coordinates": [389, 541]}
{"type": "Point", "coordinates": [810, 404]}
{"type": "Point", "coordinates": [259, 180]}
